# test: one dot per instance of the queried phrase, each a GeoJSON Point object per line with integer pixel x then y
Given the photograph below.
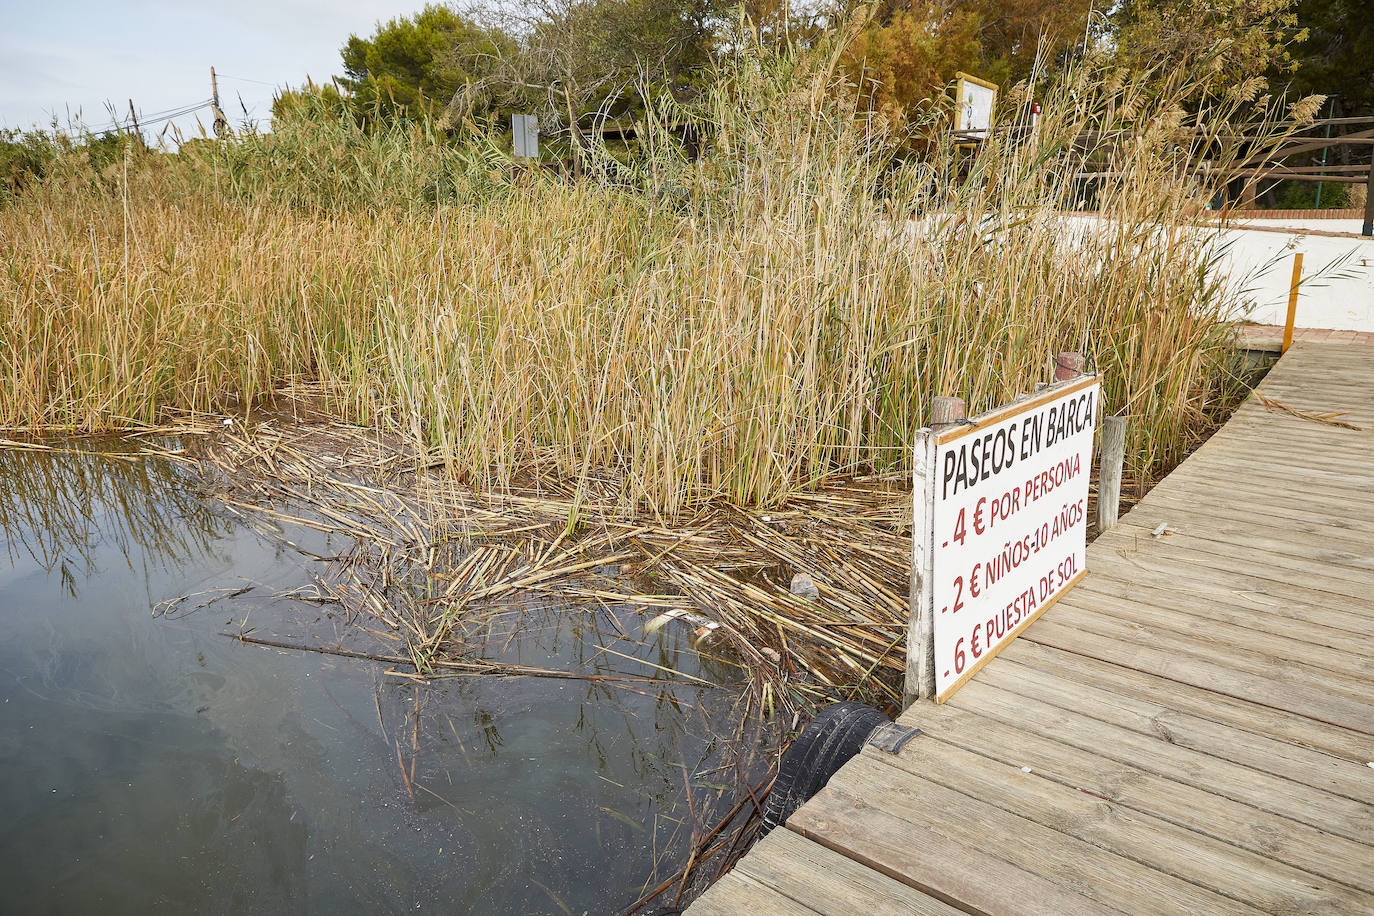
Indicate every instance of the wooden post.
{"type": "Point", "coordinates": [1113, 456]}
{"type": "Point", "coordinates": [1368, 229]}
{"type": "Point", "coordinates": [920, 637]}
{"type": "Point", "coordinates": [1067, 365]}
{"type": "Point", "coordinates": [1292, 302]}
{"type": "Point", "coordinates": [920, 634]}
{"type": "Point", "coordinates": [945, 412]}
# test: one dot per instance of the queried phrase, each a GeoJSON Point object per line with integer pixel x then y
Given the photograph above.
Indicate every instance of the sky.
{"type": "Point", "coordinates": [61, 58]}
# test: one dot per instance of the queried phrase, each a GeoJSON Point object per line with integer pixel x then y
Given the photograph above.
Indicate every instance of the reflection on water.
{"type": "Point", "coordinates": [149, 763]}
{"type": "Point", "coordinates": [59, 507]}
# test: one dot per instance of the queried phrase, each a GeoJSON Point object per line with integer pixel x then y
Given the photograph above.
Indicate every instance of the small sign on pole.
{"type": "Point", "coordinates": [524, 129]}
{"type": "Point", "coordinates": [973, 102]}
{"type": "Point", "coordinates": [1002, 501]}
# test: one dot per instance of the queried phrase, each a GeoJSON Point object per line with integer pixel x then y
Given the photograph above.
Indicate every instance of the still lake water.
{"type": "Point", "coordinates": [150, 764]}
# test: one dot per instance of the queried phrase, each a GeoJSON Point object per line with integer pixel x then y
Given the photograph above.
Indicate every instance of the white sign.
{"type": "Point", "coordinates": [1010, 507]}
{"type": "Point", "coordinates": [973, 102]}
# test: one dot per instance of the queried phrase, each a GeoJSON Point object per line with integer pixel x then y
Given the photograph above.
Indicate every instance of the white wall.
{"type": "Point", "coordinates": [1337, 289]}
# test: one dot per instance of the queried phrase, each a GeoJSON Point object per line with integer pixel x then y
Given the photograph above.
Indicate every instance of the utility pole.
{"type": "Point", "coordinates": [221, 122]}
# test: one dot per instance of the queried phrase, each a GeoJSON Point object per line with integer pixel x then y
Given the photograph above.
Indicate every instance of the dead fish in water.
{"type": "Point", "coordinates": [703, 627]}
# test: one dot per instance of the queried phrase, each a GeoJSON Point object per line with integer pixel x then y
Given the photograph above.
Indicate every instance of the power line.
{"type": "Point", "coordinates": [244, 79]}
{"type": "Point", "coordinates": [155, 118]}
{"type": "Point", "coordinates": [179, 110]}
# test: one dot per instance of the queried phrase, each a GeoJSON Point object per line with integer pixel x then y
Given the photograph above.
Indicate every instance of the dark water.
{"type": "Point", "coordinates": [150, 764]}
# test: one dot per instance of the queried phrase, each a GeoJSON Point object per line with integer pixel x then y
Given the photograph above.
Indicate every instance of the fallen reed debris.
{"type": "Point", "coordinates": [430, 559]}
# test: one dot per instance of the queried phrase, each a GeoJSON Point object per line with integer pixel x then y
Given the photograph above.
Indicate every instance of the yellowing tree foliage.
{"type": "Point", "coordinates": [912, 48]}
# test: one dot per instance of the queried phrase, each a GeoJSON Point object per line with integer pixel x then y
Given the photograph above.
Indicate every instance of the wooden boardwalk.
{"type": "Point", "coordinates": [1189, 730]}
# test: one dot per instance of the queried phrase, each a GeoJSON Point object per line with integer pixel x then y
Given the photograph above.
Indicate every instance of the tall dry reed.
{"type": "Point", "coordinates": [736, 326]}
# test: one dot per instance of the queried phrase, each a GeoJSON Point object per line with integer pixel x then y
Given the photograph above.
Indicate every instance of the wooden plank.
{"type": "Point", "coordinates": [1207, 632]}
{"type": "Point", "coordinates": [1327, 398]}
{"type": "Point", "coordinates": [1261, 484]}
{"type": "Point", "coordinates": [1317, 572]}
{"type": "Point", "coordinates": [1202, 569]}
{"type": "Point", "coordinates": [1329, 379]}
{"type": "Point", "coordinates": [1334, 709]}
{"type": "Point", "coordinates": [1285, 426]}
{"type": "Point", "coordinates": [1299, 845]}
{"type": "Point", "coordinates": [1281, 454]}
{"type": "Point", "coordinates": [1297, 625]}
{"type": "Point", "coordinates": [1284, 440]}
{"type": "Point", "coordinates": [1257, 751]}
{"type": "Point", "coordinates": [1198, 582]}
{"type": "Point", "coordinates": [1255, 486]}
{"type": "Point", "coordinates": [1261, 516]}
{"type": "Point", "coordinates": [1274, 794]}
{"type": "Point", "coordinates": [734, 894]}
{"type": "Point", "coordinates": [830, 883]}
{"type": "Point", "coordinates": [1295, 429]}
{"type": "Point", "coordinates": [996, 861]}
{"type": "Point", "coordinates": [1350, 479]}
{"type": "Point", "coordinates": [1280, 535]}
{"type": "Point", "coordinates": [1191, 856]}
{"type": "Point", "coordinates": [1263, 499]}
{"type": "Point", "coordinates": [1335, 363]}
{"type": "Point", "coordinates": [1201, 575]}
{"type": "Point", "coordinates": [1316, 475]}
{"type": "Point", "coordinates": [1332, 380]}
{"type": "Point", "coordinates": [1286, 450]}
{"type": "Point", "coordinates": [1128, 683]}
{"type": "Point", "coordinates": [1273, 506]}
{"type": "Point", "coordinates": [1290, 426]}
{"type": "Point", "coordinates": [1272, 514]}
{"type": "Point", "coordinates": [1081, 614]}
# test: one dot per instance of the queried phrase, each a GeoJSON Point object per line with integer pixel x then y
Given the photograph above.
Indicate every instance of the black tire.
{"type": "Point", "coordinates": [838, 732]}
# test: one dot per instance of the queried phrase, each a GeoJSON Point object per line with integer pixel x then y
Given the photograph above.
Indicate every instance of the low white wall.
{"type": "Point", "coordinates": [1337, 289]}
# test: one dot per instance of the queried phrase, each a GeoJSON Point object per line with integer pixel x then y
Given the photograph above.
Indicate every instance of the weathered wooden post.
{"type": "Point", "coordinates": [920, 637]}
{"type": "Point", "coordinates": [946, 412]}
{"type": "Point", "coordinates": [1113, 456]}
{"type": "Point", "coordinates": [1067, 365]}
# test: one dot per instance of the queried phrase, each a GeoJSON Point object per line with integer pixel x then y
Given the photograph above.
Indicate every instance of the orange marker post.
{"type": "Point", "coordinates": [1292, 302]}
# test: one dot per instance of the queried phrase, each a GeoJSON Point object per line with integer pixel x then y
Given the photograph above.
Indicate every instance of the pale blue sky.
{"type": "Point", "coordinates": [61, 56]}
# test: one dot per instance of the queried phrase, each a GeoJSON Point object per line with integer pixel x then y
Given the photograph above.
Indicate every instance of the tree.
{"type": "Point", "coordinates": [905, 56]}
{"type": "Point", "coordinates": [911, 49]}
{"type": "Point", "coordinates": [568, 58]}
{"type": "Point", "coordinates": [1338, 57]}
{"type": "Point", "coordinates": [1013, 34]}
{"type": "Point", "coordinates": [1237, 39]}
{"type": "Point", "coordinates": [409, 67]}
